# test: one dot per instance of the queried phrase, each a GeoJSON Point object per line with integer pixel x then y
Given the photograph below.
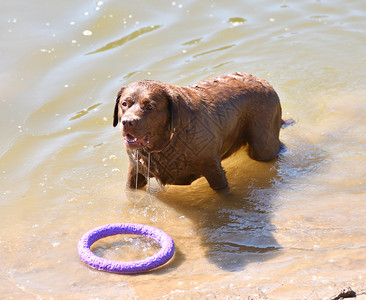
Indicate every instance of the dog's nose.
{"type": "Point", "coordinates": [128, 122]}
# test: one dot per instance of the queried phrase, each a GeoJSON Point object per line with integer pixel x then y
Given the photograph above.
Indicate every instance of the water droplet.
{"type": "Point", "coordinates": [237, 21]}
{"type": "Point", "coordinates": [55, 244]}
{"type": "Point", "coordinates": [87, 33]}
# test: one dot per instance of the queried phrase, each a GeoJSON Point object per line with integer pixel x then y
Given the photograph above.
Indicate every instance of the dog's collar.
{"type": "Point", "coordinates": [172, 134]}
{"type": "Point", "coordinates": [172, 130]}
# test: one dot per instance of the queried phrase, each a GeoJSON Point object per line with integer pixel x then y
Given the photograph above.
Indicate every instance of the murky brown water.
{"type": "Point", "coordinates": [291, 229]}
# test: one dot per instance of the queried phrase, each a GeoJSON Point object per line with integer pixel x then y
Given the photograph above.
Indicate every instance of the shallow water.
{"type": "Point", "coordinates": [292, 228]}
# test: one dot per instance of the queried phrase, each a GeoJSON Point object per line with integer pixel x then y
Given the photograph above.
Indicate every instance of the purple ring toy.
{"type": "Point", "coordinates": [161, 257]}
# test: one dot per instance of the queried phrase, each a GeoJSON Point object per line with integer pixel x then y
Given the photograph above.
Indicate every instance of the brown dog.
{"type": "Point", "coordinates": [183, 133]}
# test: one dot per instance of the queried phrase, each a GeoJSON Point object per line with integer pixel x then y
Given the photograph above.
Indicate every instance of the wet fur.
{"type": "Point", "coordinates": [193, 128]}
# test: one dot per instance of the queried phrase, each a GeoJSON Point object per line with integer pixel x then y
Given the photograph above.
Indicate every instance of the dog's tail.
{"type": "Point", "coordinates": [287, 122]}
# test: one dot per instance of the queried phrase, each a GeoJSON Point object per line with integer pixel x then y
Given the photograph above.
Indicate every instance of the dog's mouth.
{"type": "Point", "coordinates": [134, 142]}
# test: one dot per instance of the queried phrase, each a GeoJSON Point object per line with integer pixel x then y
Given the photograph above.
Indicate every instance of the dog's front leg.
{"type": "Point", "coordinates": [215, 175]}
{"type": "Point", "coordinates": [132, 177]}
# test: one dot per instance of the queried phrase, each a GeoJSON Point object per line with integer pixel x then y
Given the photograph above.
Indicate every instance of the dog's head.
{"type": "Point", "coordinates": [144, 110]}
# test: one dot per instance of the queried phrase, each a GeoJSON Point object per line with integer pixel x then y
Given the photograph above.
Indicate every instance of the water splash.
{"type": "Point", "coordinates": [148, 169]}
{"type": "Point", "coordinates": [137, 167]}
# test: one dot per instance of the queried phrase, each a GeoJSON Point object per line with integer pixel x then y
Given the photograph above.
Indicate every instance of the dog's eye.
{"type": "Point", "coordinates": [150, 107]}
{"type": "Point", "coordinates": [127, 102]}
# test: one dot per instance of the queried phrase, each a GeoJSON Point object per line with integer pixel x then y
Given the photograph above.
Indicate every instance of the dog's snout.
{"type": "Point", "coordinates": [128, 122]}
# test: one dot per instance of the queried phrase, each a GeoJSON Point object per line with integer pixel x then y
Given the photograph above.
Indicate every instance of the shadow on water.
{"type": "Point", "coordinates": [235, 227]}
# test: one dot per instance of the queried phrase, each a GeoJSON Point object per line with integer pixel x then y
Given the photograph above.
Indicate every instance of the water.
{"type": "Point", "coordinates": [292, 228]}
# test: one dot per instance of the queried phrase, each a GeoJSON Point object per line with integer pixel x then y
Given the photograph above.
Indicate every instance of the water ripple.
{"type": "Point", "coordinates": [214, 50]}
{"type": "Point", "coordinates": [83, 112]}
{"type": "Point", "coordinates": [126, 38]}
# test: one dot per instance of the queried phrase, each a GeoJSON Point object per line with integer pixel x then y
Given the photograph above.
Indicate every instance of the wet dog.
{"type": "Point", "coordinates": [178, 134]}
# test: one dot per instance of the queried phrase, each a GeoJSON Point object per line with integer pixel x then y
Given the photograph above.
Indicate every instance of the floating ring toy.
{"type": "Point", "coordinates": [160, 258]}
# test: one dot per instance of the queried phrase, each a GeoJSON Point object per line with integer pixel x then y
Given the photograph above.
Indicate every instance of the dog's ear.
{"type": "Point", "coordinates": [115, 115]}
{"type": "Point", "coordinates": [179, 111]}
